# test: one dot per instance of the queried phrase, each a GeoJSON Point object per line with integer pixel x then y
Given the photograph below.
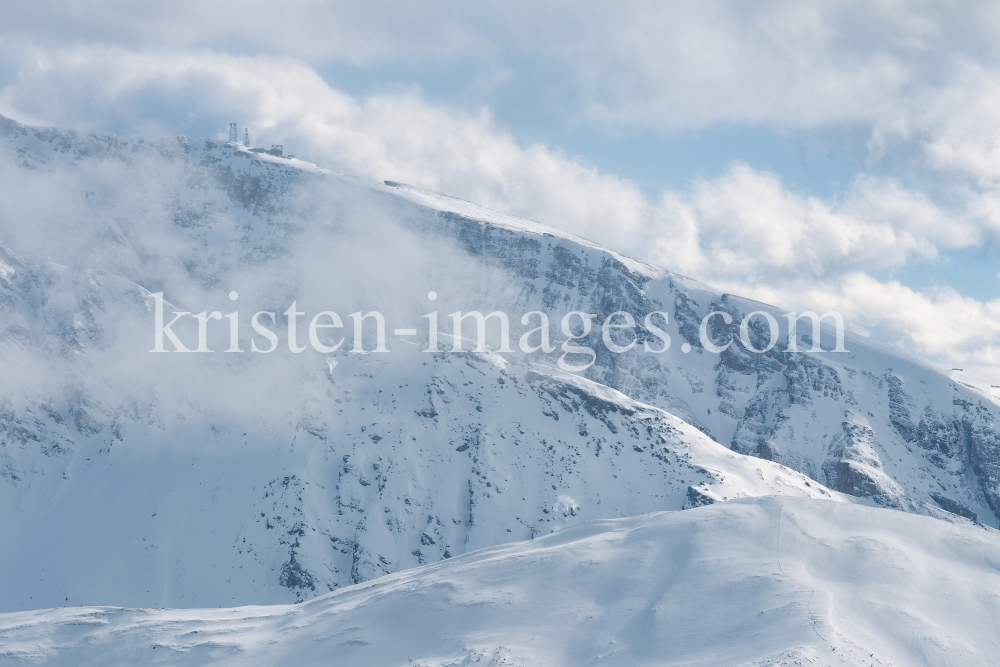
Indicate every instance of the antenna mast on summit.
{"type": "Point", "coordinates": [246, 137]}
{"type": "Point", "coordinates": [232, 133]}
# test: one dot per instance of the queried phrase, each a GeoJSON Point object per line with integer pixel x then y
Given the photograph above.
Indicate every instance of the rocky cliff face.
{"type": "Point", "coordinates": [871, 422]}
{"type": "Point", "coordinates": [220, 478]}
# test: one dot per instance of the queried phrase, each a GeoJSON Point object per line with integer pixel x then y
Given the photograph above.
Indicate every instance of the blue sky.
{"type": "Point", "coordinates": [828, 155]}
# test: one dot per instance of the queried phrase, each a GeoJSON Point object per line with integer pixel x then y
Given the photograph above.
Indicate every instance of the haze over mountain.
{"type": "Point", "coordinates": [142, 479]}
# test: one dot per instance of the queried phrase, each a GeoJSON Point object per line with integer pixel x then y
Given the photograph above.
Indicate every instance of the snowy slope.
{"type": "Point", "coordinates": [872, 422]}
{"type": "Point", "coordinates": [142, 479]}
{"type": "Point", "coordinates": [397, 479]}
{"type": "Point", "coordinates": [775, 581]}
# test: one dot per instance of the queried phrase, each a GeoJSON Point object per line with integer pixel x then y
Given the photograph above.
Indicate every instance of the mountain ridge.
{"type": "Point", "coordinates": [295, 474]}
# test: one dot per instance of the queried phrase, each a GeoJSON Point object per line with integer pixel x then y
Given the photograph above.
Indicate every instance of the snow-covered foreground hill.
{"type": "Point", "coordinates": [765, 581]}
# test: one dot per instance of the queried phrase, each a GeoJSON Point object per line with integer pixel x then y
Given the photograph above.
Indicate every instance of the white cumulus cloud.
{"type": "Point", "coordinates": [743, 230]}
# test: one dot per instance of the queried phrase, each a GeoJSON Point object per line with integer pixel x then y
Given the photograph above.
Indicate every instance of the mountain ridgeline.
{"type": "Point", "coordinates": [144, 479]}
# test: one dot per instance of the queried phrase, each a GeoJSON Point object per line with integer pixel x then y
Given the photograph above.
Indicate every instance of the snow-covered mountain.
{"type": "Point", "coordinates": [146, 479]}
{"type": "Point", "coordinates": [753, 582]}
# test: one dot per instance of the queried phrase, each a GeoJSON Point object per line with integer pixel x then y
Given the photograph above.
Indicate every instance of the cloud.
{"type": "Point", "coordinates": [745, 233]}
{"type": "Point", "coordinates": [743, 230]}
{"type": "Point", "coordinates": [940, 324]}
{"type": "Point", "coordinates": [747, 224]}
{"type": "Point", "coordinates": [398, 136]}
{"type": "Point", "coordinates": [355, 32]}
{"type": "Point", "coordinates": [665, 65]}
